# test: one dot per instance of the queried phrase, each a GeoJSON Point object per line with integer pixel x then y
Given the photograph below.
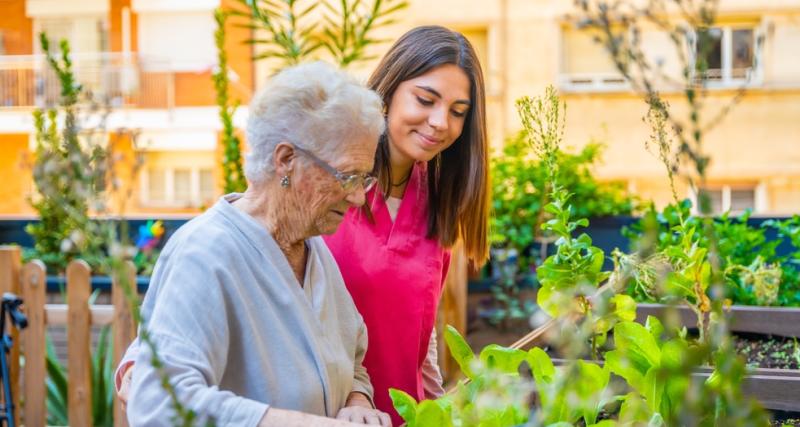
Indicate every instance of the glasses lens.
{"type": "Point", "coordinates": [369, 182]}
{"type": "Point", "coordinates": [354, 182]}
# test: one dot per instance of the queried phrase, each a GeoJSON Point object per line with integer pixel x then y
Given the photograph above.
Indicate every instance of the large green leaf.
{"type": "Point", "coordinates": [548, 300]}
{"type": "Point", "coordinates": [624, 307]}
{"type": "Point", "coordinates": [405, 405]}
{"type": "Point", "coordinates": [504, 359]}
{"type": "Point", "coordinates": [638, 345]}
{"type": "Point", "coordinates": [655, 327]}
{"type": "Point", "coordinates": [592, 380]}
{"type": "Point", "coordinates": [460, 350]}
{"type": "Point", "coordinates": [544, 373]}
{"type": "Point", "coordinates": [654, 383]}
{"type": "Point", "coordinates": [542, 366]}
{"type": "Point", "coordinates": [673, 353]}
{"type": "Point", "coordinates": [634, 411]}
{"type": "Point", "coordinates": [619, 364]}
{"type": "Point", "coordinates": [430, 414]}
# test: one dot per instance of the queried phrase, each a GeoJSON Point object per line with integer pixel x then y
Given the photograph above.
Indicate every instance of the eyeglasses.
{"type": "Point", "coordinates": [349, 182]}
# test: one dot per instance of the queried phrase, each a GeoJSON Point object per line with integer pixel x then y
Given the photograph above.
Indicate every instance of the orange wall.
{"type": "Point", "coordinates": [17, 28]}
{"type": "Point", "coordinates": [239, 53]}
{"type": "Point", "coordinates": [14, 174]}
{"type": "Point", "coordinates": [194, 89]}
{"type": "Point", "coordinates": [197, 89]}
{"type": "Point", "coordinates": [115, 30]}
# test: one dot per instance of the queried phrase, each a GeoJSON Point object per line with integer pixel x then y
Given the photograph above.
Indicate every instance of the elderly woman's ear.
{"type": "Point", "coordinates": [283, 161]}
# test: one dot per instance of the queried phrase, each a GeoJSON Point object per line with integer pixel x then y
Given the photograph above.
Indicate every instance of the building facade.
{"type": "Point", "coordinates": [153, 60]}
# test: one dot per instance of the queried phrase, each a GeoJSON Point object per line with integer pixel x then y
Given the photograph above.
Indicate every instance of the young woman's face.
{"type": "Point", "coordinates": [427, 113]}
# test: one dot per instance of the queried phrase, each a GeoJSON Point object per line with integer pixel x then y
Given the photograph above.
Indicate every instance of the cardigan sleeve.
{"type": "Point", "coordinates": [361, 382]}
{"type": "Point", "coordinates": [188, 326]}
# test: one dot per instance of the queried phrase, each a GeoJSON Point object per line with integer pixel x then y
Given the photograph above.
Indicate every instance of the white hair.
{"type": "Point", "coordinates": [314, 106]}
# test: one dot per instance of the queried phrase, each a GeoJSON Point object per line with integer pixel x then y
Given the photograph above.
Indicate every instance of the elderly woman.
{"type": "Point", "coordinates": [247, 309]}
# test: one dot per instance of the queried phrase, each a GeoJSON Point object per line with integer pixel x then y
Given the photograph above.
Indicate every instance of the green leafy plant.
{"type": "Point", "coordinates": [575, 270]}
{"type": "Point", "coordinates": [350, 24]}
{"type": "Point", "coordinates": [293, 35]}
{"type": "Point", "coordinates": [520, 192]}
{"type": "Point", "coordinates": [753, 271]}
{"type": "Point", "coordinates": [102, 376]}
{"type": "Point", "coordinates": [492, 395]}
{"type": "Point", "coordinates": [66, 174]}
{"type": "Point", "coordinates": [232, 169]}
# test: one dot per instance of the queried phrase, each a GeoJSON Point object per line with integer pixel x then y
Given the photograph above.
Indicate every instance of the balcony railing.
{"type": "Point", "coordinates": [593, 82]}
{"type": "Point", "coordinates": [116, 79]}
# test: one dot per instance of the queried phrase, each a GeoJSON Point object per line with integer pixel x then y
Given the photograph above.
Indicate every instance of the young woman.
{"type": "Point", "coordinates": [432, 170]}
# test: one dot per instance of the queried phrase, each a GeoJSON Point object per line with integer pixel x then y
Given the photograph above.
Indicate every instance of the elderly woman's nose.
{"type": "Point", "coordinates": [357, 197]}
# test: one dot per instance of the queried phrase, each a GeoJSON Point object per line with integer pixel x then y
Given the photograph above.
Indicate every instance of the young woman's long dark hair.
{"type": "Point", "coordinates": [458, 195]}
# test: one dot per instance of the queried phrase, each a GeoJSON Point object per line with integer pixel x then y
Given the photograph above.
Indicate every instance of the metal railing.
{"type": "Point", "coordinates": [116, 79]}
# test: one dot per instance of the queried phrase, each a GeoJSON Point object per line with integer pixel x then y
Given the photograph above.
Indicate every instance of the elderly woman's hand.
{"type": "Point", "coordinates": [359, 410]}
{"type": "Point", "coordinates": [124, 385]}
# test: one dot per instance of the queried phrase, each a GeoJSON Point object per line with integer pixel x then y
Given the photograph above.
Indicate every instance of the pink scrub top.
{"type": "Point", "coordinates": [395, 276]}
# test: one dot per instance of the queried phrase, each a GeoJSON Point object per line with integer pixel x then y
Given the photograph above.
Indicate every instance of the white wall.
{"type": "Point", "coordinates": [177, 41]}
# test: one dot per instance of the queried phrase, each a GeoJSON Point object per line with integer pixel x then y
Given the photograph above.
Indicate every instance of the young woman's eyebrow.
{"type": "Point", "coordinates": [435, 93]}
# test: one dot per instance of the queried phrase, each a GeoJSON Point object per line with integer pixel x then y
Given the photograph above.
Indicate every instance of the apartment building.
{"type": "Point", "coordinates": [529, 44]}
{"type": "Point", "coordinates": [153, 60]}
{"type": "Point", "coordinates": [150, 61]}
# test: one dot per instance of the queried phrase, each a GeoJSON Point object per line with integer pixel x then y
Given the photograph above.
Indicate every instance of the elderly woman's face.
{"type": "Point", "coordinates": [322, 199]}
{"type": "Point", "coordinates": [427, 113]}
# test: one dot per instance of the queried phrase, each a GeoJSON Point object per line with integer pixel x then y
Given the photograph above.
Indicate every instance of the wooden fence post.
{"type": "Point", "coordinates": [10, 266]}
{"type": "Point", "coordinates": [34, 412]}
{"type": "Point", "coordinates": [79, 394]}
{"type": "Point", "coordinates": [124, 327]}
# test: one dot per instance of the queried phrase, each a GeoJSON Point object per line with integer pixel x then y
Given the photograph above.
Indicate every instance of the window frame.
{"type": "Point", "coordinates": [195, 191]}
{"type": "Point", "coordinates": [759, 197]}
{"type": "Point", "coordinates": [599, 82]}
{"type": "Point", "coordinates": [754, 77]}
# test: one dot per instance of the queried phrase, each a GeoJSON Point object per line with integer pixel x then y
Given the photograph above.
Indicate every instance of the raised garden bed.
{"type": "Point", "coordinates": [783, 321]}
{"type": "Point", "coordinates": [776, 389]}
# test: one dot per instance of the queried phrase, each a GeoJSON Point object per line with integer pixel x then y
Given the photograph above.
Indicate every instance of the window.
{"type": "Point", "coordinates": [733, 198]}
{"type": "Point", "coordinates": [177, 187]}
{"type": "Point", "coordinates": [585, 63]}
{"type": "Point", "coordinates": [206, 185]}
{"type": "Point", "coordinates": [742, 199]}
{"type": "Point", "coordinates": [84, 33]}
{"type": "Point", "coordinates": [182, 185]}
{"type": "Point", "coordinates": [193, 51]}
{"type": "Point", "coordinates": [156, 184]}
{"type": "Point", "coordinates": [729, 54]}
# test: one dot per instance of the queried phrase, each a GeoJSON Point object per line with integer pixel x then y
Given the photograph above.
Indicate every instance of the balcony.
{"type": "Point", "coordinates": [116, 79]}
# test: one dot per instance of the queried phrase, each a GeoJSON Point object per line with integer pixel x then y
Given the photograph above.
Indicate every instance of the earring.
{"type": "Point", "coordinates": [385, 110]}
{"type": "Point", "coordinates": [285, 181]}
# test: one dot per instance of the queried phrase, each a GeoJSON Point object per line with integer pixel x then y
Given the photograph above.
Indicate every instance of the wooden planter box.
{"type": "Point", "coordinates": [776, 389]}
{"type": "Point", "coordinates": [783, 321]}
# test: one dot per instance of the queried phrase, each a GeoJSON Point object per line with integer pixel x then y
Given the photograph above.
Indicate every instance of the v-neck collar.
{"type": "Point", "coordinates": [260, 238]}
{"type": "Point", "coordinates": [311, 302]}
{"type": "Point", "coordinates": [410, 213]}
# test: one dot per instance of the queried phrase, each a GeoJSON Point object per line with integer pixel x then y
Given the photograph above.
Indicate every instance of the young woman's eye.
{"type": "Point", "coordinates": [425, 102]}
{"type": "Point", "coordinates": [459, 113]}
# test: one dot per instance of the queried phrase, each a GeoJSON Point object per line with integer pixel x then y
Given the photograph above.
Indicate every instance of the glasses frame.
{"type": "Point", "coordinates": [348, 181]}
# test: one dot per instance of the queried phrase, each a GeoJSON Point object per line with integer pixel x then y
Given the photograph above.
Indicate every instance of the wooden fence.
{"type": "Point", "coordinates": [28, 281]}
